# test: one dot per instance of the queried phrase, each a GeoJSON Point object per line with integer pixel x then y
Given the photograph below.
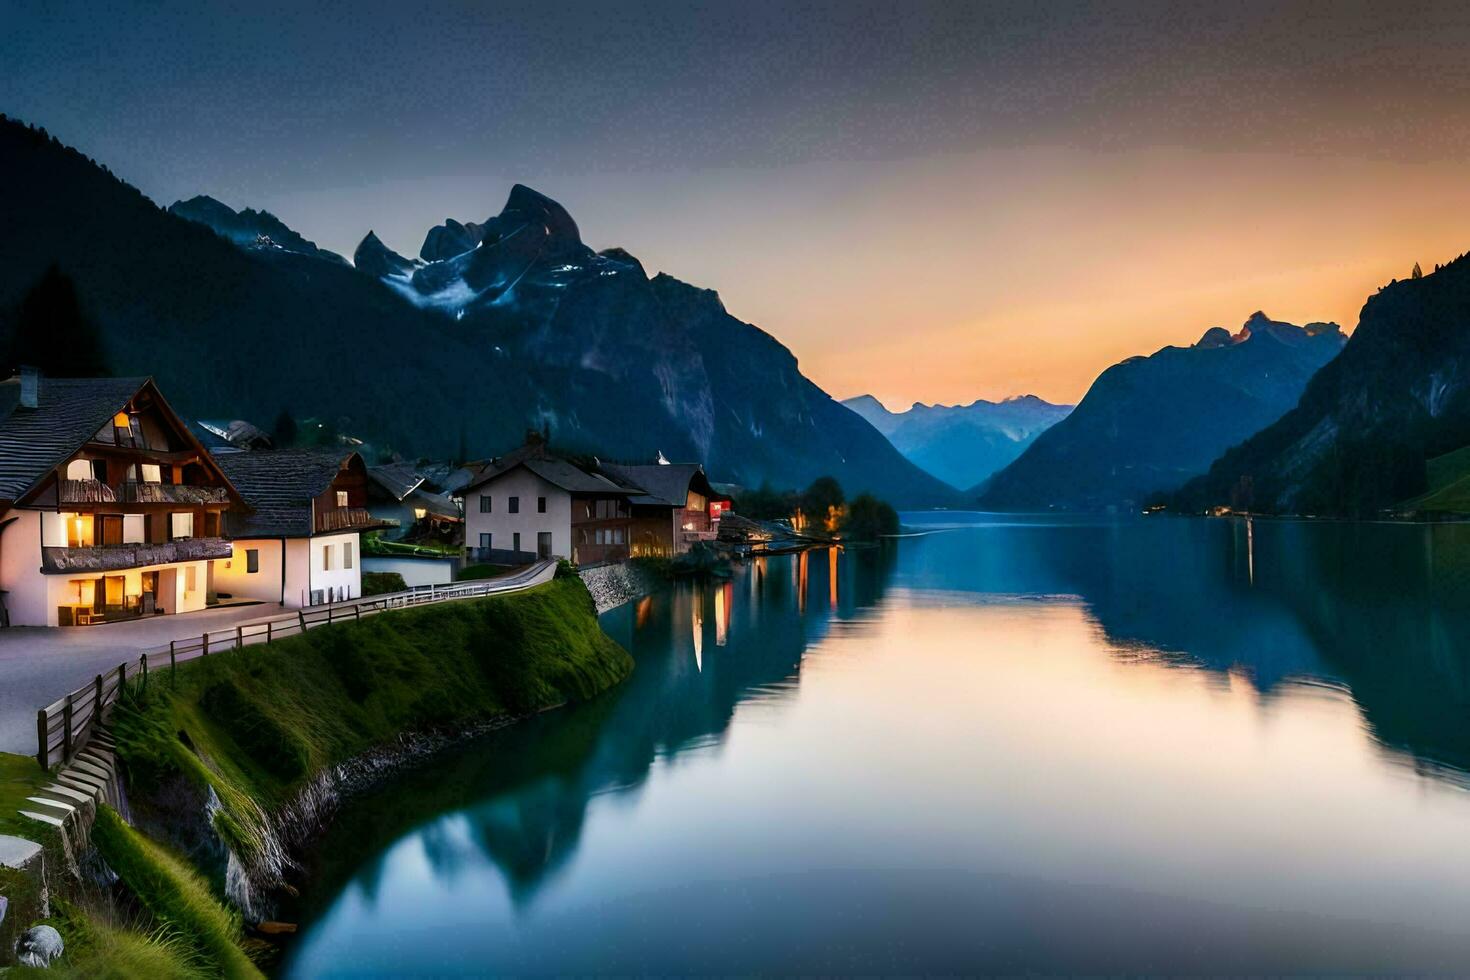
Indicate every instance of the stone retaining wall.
{"type": "Point", "coordinates": [612, 585]}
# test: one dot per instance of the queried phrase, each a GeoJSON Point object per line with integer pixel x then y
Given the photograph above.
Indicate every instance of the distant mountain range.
{"type": "Point", "coordinates": [1359, 439]}
{"type": "Point", "coordinates": [962, 444]}
{"type": "Point", "coordinates": [498, 326]}
{"type": "Point", "coordinates": [1148, 424]}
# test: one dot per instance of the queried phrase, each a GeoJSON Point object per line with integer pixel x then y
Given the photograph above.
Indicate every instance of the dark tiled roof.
{"type": "Point", "coordinates": [69, 411]}
{"type": "Point", "coordinates": [548, 466]}
{"type": "Point", "coordinates": [399, 479]}
{"type": "Point", "coordinates": [279, 485]}
{"type": "Point", "coordinates": [663, 484]}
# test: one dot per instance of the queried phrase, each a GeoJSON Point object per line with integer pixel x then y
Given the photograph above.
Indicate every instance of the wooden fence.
{"type": "Point", "coordinates": [64, 726]}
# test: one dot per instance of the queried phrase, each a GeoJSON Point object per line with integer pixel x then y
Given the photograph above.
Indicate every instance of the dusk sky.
{"type": "Point", "coordinates": [931, 202]}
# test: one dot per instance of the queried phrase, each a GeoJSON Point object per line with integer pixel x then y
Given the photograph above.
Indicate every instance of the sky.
{"type": "Point", "coordinates": [925, 201]}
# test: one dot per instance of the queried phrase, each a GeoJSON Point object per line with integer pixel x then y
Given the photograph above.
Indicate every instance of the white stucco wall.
{"type": "Point", "coordinates": [347, 582]}
{"type": "Point", "coordinates": [20, 570]}
{"type": "Point", "coordinates": [503, 525]}
{"type": "Point", "coordinates": [231, 576]}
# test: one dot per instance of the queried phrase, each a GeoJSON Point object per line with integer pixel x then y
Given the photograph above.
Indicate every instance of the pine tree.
{"type": "Point", "coordinates": [52, 333]}
{"type": "Point", "coordinates": [1418, 272]}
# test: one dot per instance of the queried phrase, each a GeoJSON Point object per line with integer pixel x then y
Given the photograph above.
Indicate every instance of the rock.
{"type": "Point", "coordinates": [38, 946]}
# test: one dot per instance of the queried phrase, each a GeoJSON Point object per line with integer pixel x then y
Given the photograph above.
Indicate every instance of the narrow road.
{"type": "Point", "coordinates": [39, 665]}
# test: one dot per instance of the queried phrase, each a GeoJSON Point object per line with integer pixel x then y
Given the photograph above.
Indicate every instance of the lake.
{"type": "Point", "coordinates": [1011, 745]}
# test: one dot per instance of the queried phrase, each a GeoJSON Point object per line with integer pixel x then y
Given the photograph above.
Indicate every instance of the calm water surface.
{"type": "Point", "coordinates": [1010, 746]}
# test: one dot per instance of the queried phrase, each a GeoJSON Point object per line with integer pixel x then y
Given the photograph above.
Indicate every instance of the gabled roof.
{"type": "Point", "coordinates": [68, 413]}
{"type": "Point", "coordinates": [556, 470]}
{"type": "Point", "coordinates": [280, 484]}
{"type": "Point", "coordinates": [663, 484]}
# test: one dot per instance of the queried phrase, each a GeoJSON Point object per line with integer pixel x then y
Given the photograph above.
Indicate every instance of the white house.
{"type": "Point", "coordinates": [300, 543]}
{"type": "Point", "coordinates": [532, 503]}
{"type": "Point", "coordinates": [109, 506]}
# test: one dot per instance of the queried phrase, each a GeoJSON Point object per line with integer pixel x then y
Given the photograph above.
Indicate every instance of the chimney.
{"type": "Point", "coordinates": [30, 386]}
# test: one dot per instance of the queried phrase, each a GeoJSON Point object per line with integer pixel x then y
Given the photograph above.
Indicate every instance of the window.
{"type": "Point", "coordinates": [515, 507]}
{"type": "Point", "coordinates": [341, 498]}
{"type": "Point", "coordinates": [484, 503]}
{"type": "Point", "coordinates": [180, 526]}
{"type": "Point", "coordinates": [191, 580]}
{"type": "Point", "coordinates": [152, 473]}
{"type": "Point", "coordinates": [80, 469]}
{"type": "Point", "coordinates": [79, 531]}
{"type": "Point", "coordinates": [485, 540]}
{"type": "Point", "coordinates": [347, 554]}
{"type": "Point", "coordinates": [252, 560]}
{"type": "Point", "coordinates": [326, 558]}
{"type": "Point", "coordinates": [540, 505]}
{"type": "Point", "coordinates": [515, 540]}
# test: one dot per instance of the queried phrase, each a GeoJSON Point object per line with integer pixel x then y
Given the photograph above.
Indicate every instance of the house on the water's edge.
{"type": "Point", "coordinates": [299, 543]}
{"type": "Point", "coordinates": [677, 509]}
{"type": "Point", "coordinates": [534, 503]}
{"type": "Point", "coordinates": [109, 506]}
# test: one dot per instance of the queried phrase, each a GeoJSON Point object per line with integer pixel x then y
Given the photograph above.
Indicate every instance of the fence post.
{"type": "Point", "coordinates": [173, 663]}
{"type": "Point", "coordinates": [301, 617]}
{"type": "Point", "coordinates": [204, 641]}
{"type": "Point", "coordinates": [143, 660]}
{"type": "Point", "coordinates": [268, 624]}
{"type": "Point", "coordinates": [239, 636]}
{"type": "Point", "coordinates": [66, 729]}
{"type": "Point", "coordinates": [122, 676]}
{"type": "Point", "coordinates": [97, 699]}
{"type": "Point", "coordinates": [357, 611]}
{"type": "Point", "coordinates": [43, 739]}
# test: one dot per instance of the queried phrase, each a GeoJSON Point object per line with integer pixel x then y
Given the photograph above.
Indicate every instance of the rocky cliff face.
{"type": "Point", "coordinates": [498, 326]}
{"type": "Point", "coordinates": [249, 228]}
{"type": "Point", "coordinates": [1148, 424]}
{"type": "Point", "coordinates": [1357, 442]}
{"type": "Point", "coordinates": [962, 444]}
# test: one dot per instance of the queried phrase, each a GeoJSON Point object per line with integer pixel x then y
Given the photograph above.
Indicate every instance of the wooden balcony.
{"type": "Point", "coordinates": [348, 519]}
{"type": "Point", "coordinates": [97, 492]}
{"type": "Point", "coordinates": [116, 557]}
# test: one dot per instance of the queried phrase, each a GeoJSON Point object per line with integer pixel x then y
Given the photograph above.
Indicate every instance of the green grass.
{"type": "Point", "coordinates": [256, 723]}
{"type": "Point", "coordinates": [20, 777]}
{"type": "Point", "coordinates": [373, 546]}
{"type": "Point", "coordinates": [98, 948]}
{"type": "Point", "coordinates": [176, 896]}
{"type": "Point", "coordinates": [1449, 484]}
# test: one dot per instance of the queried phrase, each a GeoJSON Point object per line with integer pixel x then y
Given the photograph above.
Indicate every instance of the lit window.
{"type": "Point", "coordinates": [419, 513]}
{"type": "Point", "coordinates": [152, 473]}
{"type": "Point", "coordinates": [180, 525]}
{"type": "Point", "coordinates": [341, 498]}
{"type": "Point", "coordinates": [119, 421]}
{"type": "Point", "coordinates": [79, 469]}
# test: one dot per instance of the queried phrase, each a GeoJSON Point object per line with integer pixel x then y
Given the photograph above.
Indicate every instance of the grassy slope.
{"type": "Point", "coordinates": [267, 718]}
{"type": "Point", "coordinates": [1449, 484]}
{"type": "Point", "coordinates": [20, 777]}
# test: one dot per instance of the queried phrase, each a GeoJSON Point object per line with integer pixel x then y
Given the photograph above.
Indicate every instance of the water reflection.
{"type": "Point", "coordinates": [1013, 746]}
{"type": "Point", "coordinates": [534, 781]}
{"type": "Point", "coordinates": [1382, 610]}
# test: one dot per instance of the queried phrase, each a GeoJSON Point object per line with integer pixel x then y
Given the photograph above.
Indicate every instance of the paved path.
{"type": "Point", "coordinates": [39, 665]}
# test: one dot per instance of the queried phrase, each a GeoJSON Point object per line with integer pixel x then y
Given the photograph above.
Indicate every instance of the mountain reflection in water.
{"type": "Point", "coordinates": [1010, 745]}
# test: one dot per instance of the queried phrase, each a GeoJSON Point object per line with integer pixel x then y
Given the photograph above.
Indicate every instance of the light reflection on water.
{"type": "Point", "coordinates": [1016, 745]}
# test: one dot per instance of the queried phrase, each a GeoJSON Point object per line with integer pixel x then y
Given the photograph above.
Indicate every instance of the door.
{"type": "Point", "coordinates": [543, 544]}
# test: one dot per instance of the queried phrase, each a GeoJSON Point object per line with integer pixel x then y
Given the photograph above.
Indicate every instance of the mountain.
{"type": "Point", "coordinates": [1148, 424]}
{"type": "Point", "coordinates": [249, 228]}
{"type": "Point", "coordinates": [1359, 439]}
{"type": "Point", "coordinates": [460, 353]}
{"type": "Point", "coordinates": [962, 444]}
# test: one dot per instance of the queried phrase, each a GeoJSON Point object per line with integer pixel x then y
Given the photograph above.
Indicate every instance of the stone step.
{"type": "Point", "coordinates": [45, 805]}
{"type": "Point", "coordinates": [45, 818]}
{"type": "Point", "coordinates": [68, 795]}
{"type": "Point", "coordinates": [91, 769]}
{"type": "Point", "coordinates": [81, 782]}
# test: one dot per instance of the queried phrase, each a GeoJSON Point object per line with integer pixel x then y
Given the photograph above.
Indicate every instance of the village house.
{"type": "Point", "coordinates": [413, 505]}
{"type": "Point", "coordinates": [109, 506]}
{"type": "Point", "coordinates": [533, 503]}
{"type": "Point", "coordinates": [677, 509]}
{"type": "Point", "coordinates": [299, 542]}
